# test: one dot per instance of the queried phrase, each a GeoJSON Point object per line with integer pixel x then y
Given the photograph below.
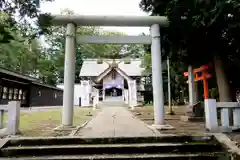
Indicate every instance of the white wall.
{"type": "Point", "coordinates": [77, 92]}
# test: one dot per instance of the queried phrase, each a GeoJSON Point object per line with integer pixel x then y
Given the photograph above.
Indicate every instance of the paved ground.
{"type": "Point", "coordinates": [116, 122]}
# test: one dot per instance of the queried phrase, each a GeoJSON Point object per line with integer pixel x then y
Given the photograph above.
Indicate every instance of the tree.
{"type": "Point", "coordinates": [45, 60]}
{"type": "Point", "coordinates": [26, 56]}
{"type": "Point", "coordinates": [19, 11]}
{"type": "Point", "coordinates": [199, 32]}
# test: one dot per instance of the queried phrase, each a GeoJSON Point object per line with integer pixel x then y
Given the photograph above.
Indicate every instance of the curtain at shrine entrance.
{"type": "Point", "coordinates": [118, 82]}
{"type": "Point", "coordinates": [108, 86]}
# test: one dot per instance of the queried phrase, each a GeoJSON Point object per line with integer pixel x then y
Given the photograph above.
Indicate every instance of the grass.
{"type": "Point", "coordinates": [42, 123]}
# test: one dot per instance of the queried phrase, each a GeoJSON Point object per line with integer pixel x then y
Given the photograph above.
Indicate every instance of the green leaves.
{"type": "Point", "coordinates": [25, 9]}
{"type": "Point", "coordinates": [197, 26]}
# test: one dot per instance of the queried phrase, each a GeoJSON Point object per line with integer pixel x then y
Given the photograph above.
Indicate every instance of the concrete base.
{"type": "Point", "coordinates": [236, 129]}
{"type": "Point", "coordinates": [132, 108]}
{"type": "Point", "coordinates": [78, 128]}
{"type": "Point", "coordinates": [65, 128]}
{"type": "Point", "coordinates": [192, 119]}
{"type": "Point", "coordinates": [170, 113]}
{"type": "Point", "coordinates": [161, 127]}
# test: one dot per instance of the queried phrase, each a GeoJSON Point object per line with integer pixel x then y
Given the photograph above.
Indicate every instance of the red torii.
{"type": "Point", "coordinates": [204, 76]}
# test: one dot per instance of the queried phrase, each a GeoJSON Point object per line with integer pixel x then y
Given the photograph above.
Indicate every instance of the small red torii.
{"type": "Point", "coordinates": [204, 76]}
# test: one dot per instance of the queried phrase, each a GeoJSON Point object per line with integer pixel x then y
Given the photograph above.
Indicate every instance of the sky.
{"type": "Point", "coordinates": [100, 7]}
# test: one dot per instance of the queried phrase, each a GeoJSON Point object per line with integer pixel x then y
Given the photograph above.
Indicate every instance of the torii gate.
{"type": "Point", "coordinates": [72, 21]}
{"type": "Point", "coordinates": [191, 81]}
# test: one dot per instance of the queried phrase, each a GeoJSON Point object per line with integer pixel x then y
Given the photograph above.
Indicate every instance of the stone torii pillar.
{"type": "Point", "coordinates": [191, 86]}
{"type": "Point", "coordinates": [157, 81]}
{"type": "Point", "coordinates": [157, 84]}
{"type": "Point", "coordinates": [69, 75]}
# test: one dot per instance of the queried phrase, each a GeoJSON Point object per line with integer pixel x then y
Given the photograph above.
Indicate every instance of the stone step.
{"type": "Point", "coordinates": [164, 147]}
{"type": "Point", "coordinates": [43, 141]}
{"type": "Point", "coordinates": [199, 156]}
{"type": "Point", "coordinates": [108, 149]}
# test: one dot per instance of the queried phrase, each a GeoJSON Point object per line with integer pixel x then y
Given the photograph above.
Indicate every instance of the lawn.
{"type": "Point", "coordinates": [42, 123]}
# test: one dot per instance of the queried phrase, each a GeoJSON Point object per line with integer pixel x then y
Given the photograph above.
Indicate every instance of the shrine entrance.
{"type": "Point", "coordinates": [113, 92]}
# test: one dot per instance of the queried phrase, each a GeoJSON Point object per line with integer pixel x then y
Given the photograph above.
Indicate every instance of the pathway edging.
{"type": "Point", "coordinates": [154, 130]}
{"type": "Point", "coordinates": [78, 128]}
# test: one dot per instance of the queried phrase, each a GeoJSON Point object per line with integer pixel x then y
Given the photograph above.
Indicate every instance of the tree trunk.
{"type": "Point", "coordinates": [223, 86]}
{"type": "Point", "coordinates": [222, 82]}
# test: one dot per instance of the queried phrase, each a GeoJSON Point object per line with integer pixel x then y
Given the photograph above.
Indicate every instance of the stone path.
{"type": "Point", "coordinates": [116, 122]}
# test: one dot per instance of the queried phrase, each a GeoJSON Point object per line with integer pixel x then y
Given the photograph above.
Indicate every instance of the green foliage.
{"type": "Point", "coordinates": [127, 61]}
{"type": "Point", "coordinates": [24, 9]}
{"type": "Point", "coordinates": [198, 32]}
{"type": "Point", "coordinates": [99, 61]}
{"type": "Point", "coordinates": [198, 29]}
{"type": "Point", "coordinates": [147, 63]}
{"type": "Point", "coordinates": [21, 51]}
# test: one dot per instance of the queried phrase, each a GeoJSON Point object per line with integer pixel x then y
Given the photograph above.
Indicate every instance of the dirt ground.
{"type": "Point", "coordinates": [183, 128]}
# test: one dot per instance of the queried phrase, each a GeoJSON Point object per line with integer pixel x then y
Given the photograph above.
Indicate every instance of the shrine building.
{"type": "Point", "coordinates": [110, 79]}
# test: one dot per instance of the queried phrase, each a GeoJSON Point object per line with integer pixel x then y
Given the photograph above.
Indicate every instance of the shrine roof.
{"type": "Point", "coordinates": [91, 67]}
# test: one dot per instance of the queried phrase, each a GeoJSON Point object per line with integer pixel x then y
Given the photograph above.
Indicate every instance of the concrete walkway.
{"type": "Point", "coordinates": [116, 122]}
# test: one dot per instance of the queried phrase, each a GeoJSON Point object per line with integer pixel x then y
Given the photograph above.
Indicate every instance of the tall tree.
{"type": "Point", "coordinates": [199, 32]}
{"type": "Point", "coordinates": [19, 11]}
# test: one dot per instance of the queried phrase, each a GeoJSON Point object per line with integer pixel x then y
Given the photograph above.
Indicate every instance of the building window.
{"type": "Point", "coordinates": [0, 91]}
{"type": "Point", "coordinates": [5, 92]}
{"type": "Point", "coordinates": [15, 96]}
{"type": "Point", "coordinates": [55, 95]}
{"type": "Point", "coordinates": [20, 94]}
{"type": "Point", "coordinates": [24, 95]}
{"type": "Point", "coordinates": [10, 94]}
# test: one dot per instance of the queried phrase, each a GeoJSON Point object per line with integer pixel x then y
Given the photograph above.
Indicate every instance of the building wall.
{"type": "Point", "coordinates": [77, 92]}
{"type": "Point", "coordinates": [13, 91]}
{"type": "Point", "coordinates": [44, 96]}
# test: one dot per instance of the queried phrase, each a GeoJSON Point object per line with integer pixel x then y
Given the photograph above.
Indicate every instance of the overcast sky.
{"type": "Point", "coordinates": [100, 7]}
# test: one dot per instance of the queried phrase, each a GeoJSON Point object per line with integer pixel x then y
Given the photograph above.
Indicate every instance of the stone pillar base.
{"type": "Point", "coordinates": [192, 119]}
{"type": "Point", "coordinates": [64, 128]}
{"type": "Point", "coordinates": [161, 127]}
{"type": "Point", "coordinates": [170, 113]}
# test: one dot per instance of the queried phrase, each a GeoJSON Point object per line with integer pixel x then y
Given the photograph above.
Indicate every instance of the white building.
{"type": "Point", "coordinates": [109, 78]}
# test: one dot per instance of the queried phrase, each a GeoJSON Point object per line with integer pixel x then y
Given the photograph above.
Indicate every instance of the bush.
{"type": "Point", "coordinates": [127, 61]}
{"type": "Point", "coordinates": [99, 61]}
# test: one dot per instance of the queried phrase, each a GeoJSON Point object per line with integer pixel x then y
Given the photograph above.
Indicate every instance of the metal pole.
{"type": "Point", "coordinates": [69, 75]}
{"type": "Point", "coordinates": [169, 88]}
{"type": "Point", "coordinates": [157, 82]}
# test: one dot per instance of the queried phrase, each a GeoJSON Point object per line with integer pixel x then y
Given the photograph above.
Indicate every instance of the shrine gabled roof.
{"type": "Point", "coordinates": [110, 69]}
{"type": "Point", "coordinates": [90, 67]}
